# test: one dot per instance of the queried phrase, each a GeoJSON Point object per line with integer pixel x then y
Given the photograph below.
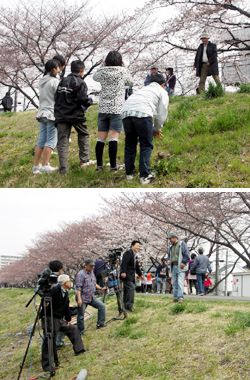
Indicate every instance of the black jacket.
{"type": "Point", "coordinates": [99, 264]}
{"type": "Point", "coordinates": [60, 304]}
{"type": "Point", "coordinates": [130, 266]}
{"type": "Point", "coordinates": [162, 272]}
{"type": "Point", "coordinates": [212, 58]}
{"type": "Point", "coordinates": [70, 98]}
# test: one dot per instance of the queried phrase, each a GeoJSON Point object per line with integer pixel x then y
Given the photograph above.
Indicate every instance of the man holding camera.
{"type": "Point", "coordinates": [85, 295]}
{"type": "Point", "coordinates": [60, 309]}
{"type": "Point", "coordinates": [128, 268]}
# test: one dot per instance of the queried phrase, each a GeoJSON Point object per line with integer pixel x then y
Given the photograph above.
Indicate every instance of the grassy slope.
{"type": "Point", "coordinates": [155, 342]}
{"type": "Point", "coordinates": [206, 144]}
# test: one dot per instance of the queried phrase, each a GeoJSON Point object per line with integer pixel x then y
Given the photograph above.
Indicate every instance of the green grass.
{"type": "Point", "coordinates": [206, 144]}
{"type": "Point", "coordinates": [151, 343]}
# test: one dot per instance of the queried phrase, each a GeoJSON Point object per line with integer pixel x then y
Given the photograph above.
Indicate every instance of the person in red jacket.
{"type": "Point", "coordinates": [207, 283]}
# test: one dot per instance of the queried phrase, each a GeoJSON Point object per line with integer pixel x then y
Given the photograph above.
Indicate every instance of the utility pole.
{"type": "Point", "coordinates": [217, 269]}
{"type": "Point", "coordinates": [226, 274]}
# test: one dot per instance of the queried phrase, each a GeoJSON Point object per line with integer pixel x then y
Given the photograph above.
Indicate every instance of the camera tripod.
{"type": "Point", "coordinates": [111, 281]}
{"type": "Point", "coordinates": [48, 332]}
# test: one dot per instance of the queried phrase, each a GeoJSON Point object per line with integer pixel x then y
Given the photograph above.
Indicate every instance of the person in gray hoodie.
{"type": "Point", "coordinates": [47, 139]}
{"type": "Point", "coordinates": [200, 265]}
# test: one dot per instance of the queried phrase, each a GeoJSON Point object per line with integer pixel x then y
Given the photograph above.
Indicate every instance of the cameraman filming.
{"type": "Point", "coordinates": [60, 309]}
{"type": "Point", "coordinates": [128, 268]}
{"type": "Point", "coordinates": [85, 295]}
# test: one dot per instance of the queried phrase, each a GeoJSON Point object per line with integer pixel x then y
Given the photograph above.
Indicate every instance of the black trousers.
{"type": "Point", "coordinates": [72, 333]}
{"type": "Point", "coordinates": [128, 294]}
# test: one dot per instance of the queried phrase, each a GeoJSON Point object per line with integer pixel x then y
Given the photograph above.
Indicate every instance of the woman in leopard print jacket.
{"type": "Point", "coordinates": [113, 78]}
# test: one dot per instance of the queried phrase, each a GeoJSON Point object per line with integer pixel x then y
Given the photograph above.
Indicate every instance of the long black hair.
{"type": "Point", "coordinates": [50, 65]}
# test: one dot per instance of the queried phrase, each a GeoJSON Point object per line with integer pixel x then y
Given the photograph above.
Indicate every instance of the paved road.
{"type": "Point", "coordinates": [202, 298]}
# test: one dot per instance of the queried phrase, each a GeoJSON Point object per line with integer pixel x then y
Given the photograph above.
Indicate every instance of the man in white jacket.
{"type": "Point", "coordinates": [137, 114]}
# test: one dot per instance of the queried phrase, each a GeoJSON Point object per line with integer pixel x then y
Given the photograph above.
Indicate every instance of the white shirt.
{"type": "Point", "coordinates": [204, 56]}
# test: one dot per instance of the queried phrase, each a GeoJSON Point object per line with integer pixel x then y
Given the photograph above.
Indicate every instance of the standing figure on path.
{"type": "Point", "coordinates": [200, 265]}
{"type": "Point", "coordinates": [153, 71]}
{"type": "Point", "coordinates": [178, 258]}
{"type": "Point", "coordinates": [129, 266]}
{"type": "Point", "coordinates": [170, 82]}
{"type": "Point", "coordinates": [206, 62]}
{"type": "Point", "coordinates": [113, 78]}
{"type": "Point", "coordinates": [7, 102]}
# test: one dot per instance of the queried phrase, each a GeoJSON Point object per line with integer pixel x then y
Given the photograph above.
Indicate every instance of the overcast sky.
{"type": "Point", "coordinates": [27, 212]}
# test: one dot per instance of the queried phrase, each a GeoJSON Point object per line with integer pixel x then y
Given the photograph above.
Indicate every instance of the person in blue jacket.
{"type": "Point", "coordinates": [178, 258]}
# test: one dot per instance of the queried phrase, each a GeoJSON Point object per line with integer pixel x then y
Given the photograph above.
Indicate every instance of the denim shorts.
{"type": "Point", "coordinates": [110, 121]}
{"type": "Point", "coordinates": [47, 133]}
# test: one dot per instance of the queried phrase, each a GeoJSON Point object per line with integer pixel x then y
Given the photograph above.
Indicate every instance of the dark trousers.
{"type": "Point", "coordinates": [64, 130]}
{"type": "Point", "coordinates": [72, 333]}
{"type": "Point", "coordinates": [128, 294]}
{"type": "Point", "coordinates": [141, 128]}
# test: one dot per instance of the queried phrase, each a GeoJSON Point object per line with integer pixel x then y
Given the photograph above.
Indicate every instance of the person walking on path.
{"type": "Point", "coordinates": [200, 265]}
{"type": "Point", "coordinates": [206, 62]}
{"type": "Point", "coordinates": [191, 277]}
{"type": "Point", "coordinates": [161, 274]}
{"type": "Point", "coordinates": [178, 258]}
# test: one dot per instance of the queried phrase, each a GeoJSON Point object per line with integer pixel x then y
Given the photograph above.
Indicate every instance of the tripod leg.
{"type": "Point", "coordinates": [32, 333]}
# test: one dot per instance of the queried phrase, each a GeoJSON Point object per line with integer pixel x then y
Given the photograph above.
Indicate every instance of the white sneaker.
{"type": "Point", "coordinates": [36, 169]}
{"type": "Point", "coordinates": [147, 180]}
{"type": "Point", "coordinates": [48, 169]}
{"type": "Point", "coordinates": [90, 162]}
{"type": "Point", "coordinates": [129, 177]}
{"type": "Point", "coordinates": [158, 292]}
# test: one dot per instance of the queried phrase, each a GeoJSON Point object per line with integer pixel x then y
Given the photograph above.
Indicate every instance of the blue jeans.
{"type": "Point", "coordinates": [201, 280]}
{"type": "Point", "coordinates": [110, 121]}
{"type": "Point", "coordinates": [178, 277]}
{"type": "Point", "coordinates": [47, 133]}
{"type": "Point", "coordinates": [97, 304]}
{"type": "Point", "coordinates": [141, 128]}
{"type": "Point", "coordinates": [170, 94]}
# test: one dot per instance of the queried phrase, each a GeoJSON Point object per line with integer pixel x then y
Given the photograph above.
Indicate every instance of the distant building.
{"type": "Point", "coordinates": [228, 284]}
{"type": "Point", "coordinates": [6, 260]}
{"type": "Point", "coordinates": [241, 284]}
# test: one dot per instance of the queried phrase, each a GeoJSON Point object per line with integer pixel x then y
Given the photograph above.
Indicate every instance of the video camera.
{"type": "Point", "coordinates": [46, 279]}
{"type": "Point", "coordinates": [114, 254]}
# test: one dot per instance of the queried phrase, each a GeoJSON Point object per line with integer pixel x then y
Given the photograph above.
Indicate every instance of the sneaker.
{"type": "Point", "coordinates": [48, 169]}
{"type": "Point", "coordinates": [99, 168]}
{"type": "Point", "coordinates": [147, 180]}
{"type": "Point", "coordinates": [63, 345]}
{"type": "Point", "coordinates": [90, 162]}
{"type": "Point", "coordinates": [36, 169]}
{"type": "Point", "coordinates": [129, 177]}
{"type": "Point", "coordinates": [181, 301]}
{"type": "Point", "coordinates": [173, 301]}
{"type": "Point", "coordinates": [158, 292]}
{"type": "Point", "coordinates": [101, 325]}
{"type": "Point", "coordinates": [117, 167]}
{"type": "Point", "coordinates": [201, 294]}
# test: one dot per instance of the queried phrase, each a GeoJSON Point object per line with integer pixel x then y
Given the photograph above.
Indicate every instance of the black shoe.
{"type": "Point", "coordinates": [82, 352]}
{"type": "Point", "coordinates": [129, 310]}
{"type": "Point", "coordinates": [101, 325]}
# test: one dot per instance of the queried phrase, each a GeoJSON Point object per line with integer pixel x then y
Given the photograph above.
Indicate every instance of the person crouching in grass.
{"type": "Point", "coordinates": [137, 114]}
